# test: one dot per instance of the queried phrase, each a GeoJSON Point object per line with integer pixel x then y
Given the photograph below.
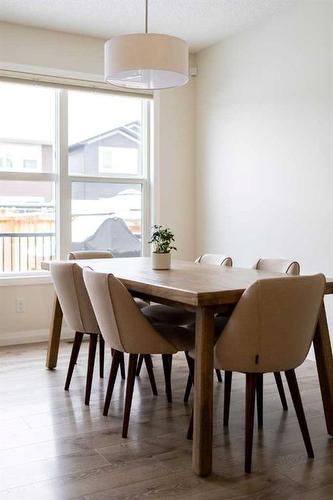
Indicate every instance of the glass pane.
{"type": "Point", "coordinates": [27, 128]}
{"type": "Point", "coordinates": [27, 225]}
{"type": "Point", "coordinates": [104, 134]}
{"type": "Point", "coordinates": [107, 216]}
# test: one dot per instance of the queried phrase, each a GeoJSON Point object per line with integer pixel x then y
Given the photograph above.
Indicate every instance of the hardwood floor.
{"type": "Point", "coordinates": [53, 447]}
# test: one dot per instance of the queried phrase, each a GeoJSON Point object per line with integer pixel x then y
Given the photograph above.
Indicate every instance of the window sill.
{"type": "Point", "coordinates": [43, 278]}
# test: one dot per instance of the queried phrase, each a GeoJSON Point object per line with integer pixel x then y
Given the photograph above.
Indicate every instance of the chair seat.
{"type": "Point", "coordinates": [219, 324]}
{"type": "Point", "coordinates": [182, 338]}
{"type": "Point", "coordinates": [141, 303]}
{"type": "Point", "coordinates": [159, 313]}
{"type": "Point", "coordinates": [179, 336]}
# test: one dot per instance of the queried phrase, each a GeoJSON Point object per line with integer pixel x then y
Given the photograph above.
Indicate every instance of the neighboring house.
{"type": "Point", "coordinates": [109, 153]}
{"type": "Point", "coordinates": [112, 152]}
{"type": "Point", "coordinates": [115, 152]}
{"type": "Point", "coordinates": [25, 156]}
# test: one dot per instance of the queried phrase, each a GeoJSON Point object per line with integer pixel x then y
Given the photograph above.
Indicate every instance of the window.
{"type": "Point", "coordinates": [85, 190]}
{"type": "Point", "coordinates": [107, 216]}
{"type": "Point", "coordinates": [27, 177]}
{"type": "Point", "coordinates": [104, 135]}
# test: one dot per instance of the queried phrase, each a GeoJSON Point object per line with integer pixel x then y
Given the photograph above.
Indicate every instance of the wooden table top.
{"type": "Point", "coordinates": [185, 283]}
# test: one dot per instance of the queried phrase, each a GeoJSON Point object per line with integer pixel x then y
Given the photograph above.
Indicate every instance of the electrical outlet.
{"type": "Point", "coordinates": [19, 306]}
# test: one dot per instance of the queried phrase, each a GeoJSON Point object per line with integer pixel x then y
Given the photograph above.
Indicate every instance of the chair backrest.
{"type": "Point", "coordinates": [214, 259]}
{"type": "Point", "coordinates": [272, 326]}
{"type": "Point", "coordinates": [122, 324]}
{"type": "Point", "coordinates": [279, 266]}
{"type": "Point", "coordinates": [73, 297]}
{"type": "Point", "coordinates": [87, 254]}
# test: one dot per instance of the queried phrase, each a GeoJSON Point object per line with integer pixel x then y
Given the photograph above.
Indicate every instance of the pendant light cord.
{"type": "Point", "coordinates": [146, 18]}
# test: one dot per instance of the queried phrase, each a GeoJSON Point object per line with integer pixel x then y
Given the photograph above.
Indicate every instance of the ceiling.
{"type": "Point", "coordinates": [200, 22]}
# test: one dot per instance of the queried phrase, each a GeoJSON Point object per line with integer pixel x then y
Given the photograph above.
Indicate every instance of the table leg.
{"type": "Point", "coordinates": [54, 335]}
{"type": "Point", "coordinates": [203, 392]}
{"type": "Point", "coordinates": [323, 352]}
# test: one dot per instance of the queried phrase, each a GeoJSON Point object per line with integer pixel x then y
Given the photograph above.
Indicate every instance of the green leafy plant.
{"type": "Point", "coordinates": [162, 239]}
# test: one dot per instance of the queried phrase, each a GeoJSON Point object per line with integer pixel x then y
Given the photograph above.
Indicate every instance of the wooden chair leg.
{"type": "Point", "coordinates": [260, 398]}
{"type": "Point", "coordinates": [138, 369]}
{"type": "Point", "coordinates": [167, 360]}
{"type": "Point", "coordinates": [101, 355]}
{"type": "Point", "coordinates": [297, 401]}
{"type": "Point", "coordinates": [91, 362]}
{"type": "Point", "coordinates": [122, 366]}
{"type": "Point", "coordinates": [188, 389]}
{"type": "Point", "coordinates": [190, 428]}
{"type": "Point", "coordinates": [150, 371]}
{"type": "Point", "coordinates": [190, 378]}
{"type": "Point", "coordinates": [132, 366]}
{"type": "Point", "coordinates": [251, 382]}
{"type": "Point", "coordinates": [116, 358]}
{"type": "Point", "coordinates": [189, 385]}
{"type": "Point", "coordinates": [191, 367]}
{"type": "Point", "coordinates": [227, 394]}
{"type": "Point", "coordinates": [278, 380]}
{"type": "Point", "coordinates": [74, 355]}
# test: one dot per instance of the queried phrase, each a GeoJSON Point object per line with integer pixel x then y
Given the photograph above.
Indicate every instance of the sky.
{"type": "Point", "coordinates": [28, 112]}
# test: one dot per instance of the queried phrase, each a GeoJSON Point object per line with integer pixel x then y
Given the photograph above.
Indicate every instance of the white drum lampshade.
{"type": "Point", "coordinates": [146, 61]}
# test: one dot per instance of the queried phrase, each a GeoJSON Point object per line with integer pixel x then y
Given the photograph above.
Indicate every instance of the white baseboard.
{"type": "Point", "coordinates": [31, 336]}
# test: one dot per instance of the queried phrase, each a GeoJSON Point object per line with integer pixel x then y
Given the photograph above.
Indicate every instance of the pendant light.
{"type": "Point", "coordinates": [146, 60]}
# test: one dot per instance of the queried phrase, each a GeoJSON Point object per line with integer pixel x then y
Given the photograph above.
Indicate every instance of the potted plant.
{"type": "Point", "coordinates": [162, 239]}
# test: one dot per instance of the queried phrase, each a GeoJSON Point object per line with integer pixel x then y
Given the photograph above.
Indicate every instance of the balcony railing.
{"type": "Point", "coordinates": [24, 252]}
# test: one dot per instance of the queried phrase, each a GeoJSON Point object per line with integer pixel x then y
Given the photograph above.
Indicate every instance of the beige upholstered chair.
{"type": "Point", "coordinates": [177, 316]}
{"type": "Point", "coordinates": [214, 259]}
{"type": "Point", "coordinates": [126, 329]}
{"type": "Point", "coordinates": [74, 301]}
{"type": "Point", "coordinates": [89, 254]}
{"type": "Point", "coordinates": [78, 312]}
{"type": "Point", "coordinates": [279, 266]}
{"type": "Point", "coordinates": [271, 330]}
{"type": "Point", "coordinates": [291, 268]}
{"type": "Point", "coordinates": [101, 254]}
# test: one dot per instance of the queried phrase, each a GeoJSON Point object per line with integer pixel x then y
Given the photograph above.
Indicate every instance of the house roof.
{"type": "Point", "coordinates": [131, 130]}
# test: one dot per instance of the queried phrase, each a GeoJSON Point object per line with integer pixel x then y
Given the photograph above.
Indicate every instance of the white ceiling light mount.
{"type": "Point", "coordinates": [148, 61]}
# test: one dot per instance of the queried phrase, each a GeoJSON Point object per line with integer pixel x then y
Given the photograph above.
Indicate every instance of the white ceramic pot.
{"type": "Point", "coordinates": [161, 260]}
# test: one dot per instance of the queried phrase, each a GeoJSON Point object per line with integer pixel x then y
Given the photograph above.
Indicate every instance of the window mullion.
{"type": "Point", "coordinates": [27, 176]}
{"type": "Point", "coordinates": [145, 204]}
{"type": "Point", "coordinates": [106, 180]}
{"type": "Point", "coordinates": [63, 184]}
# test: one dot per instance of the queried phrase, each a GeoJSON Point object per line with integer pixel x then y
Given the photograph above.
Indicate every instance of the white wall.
{"type": "Point", "coordinates": [176, 172]}
{"type": "Point", "coordinates": [31, 324]}
{"type": "Point", "coordinates": [58, 53]}
{"type": "Point", "coordinates": [264, 141]}
{"type": "Point", "coordinates": [53, 50]}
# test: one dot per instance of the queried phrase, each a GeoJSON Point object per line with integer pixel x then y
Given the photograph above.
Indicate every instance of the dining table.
{"type": "Point", "coordinates": [206, 290]}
